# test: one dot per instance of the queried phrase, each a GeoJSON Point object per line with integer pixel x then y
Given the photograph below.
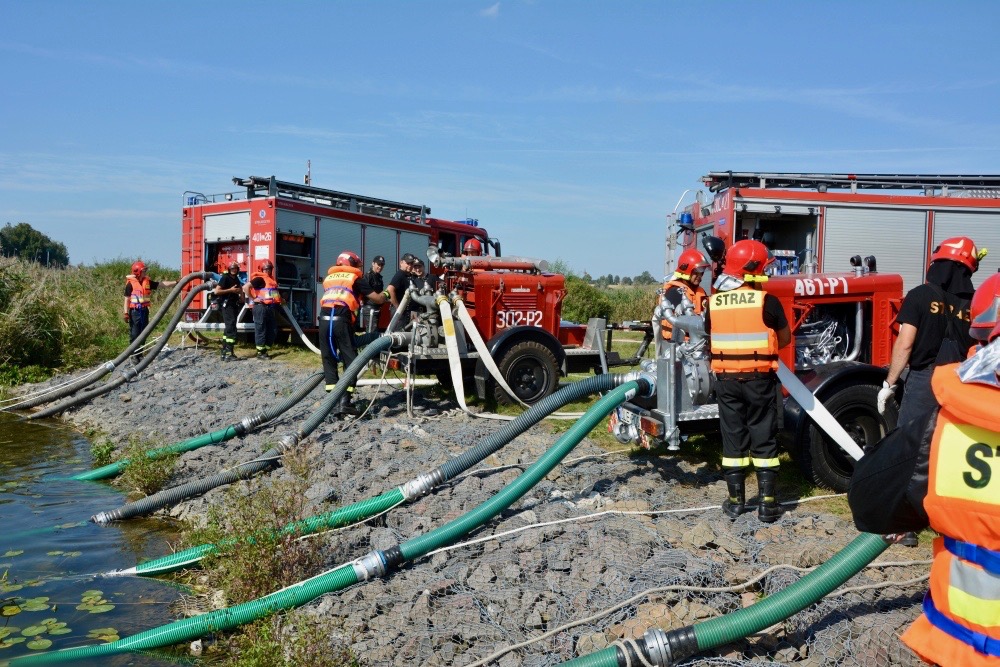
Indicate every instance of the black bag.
{"type": "Point", "coordinates": [889, 483]}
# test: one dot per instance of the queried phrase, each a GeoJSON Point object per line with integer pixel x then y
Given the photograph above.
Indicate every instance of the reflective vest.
{"type": "Point", "coordinates": [695, 295]}
{"type": "Point", "coordinates": [267, 294]}
{"type": "Point", "coordinates": [961, 620]}
{"type": "Point", "coordinates": [741, 342]}
{"type": "Point", "coordinates": [140, 292]}
{"type": "Point", "coordinates": [338, 289]}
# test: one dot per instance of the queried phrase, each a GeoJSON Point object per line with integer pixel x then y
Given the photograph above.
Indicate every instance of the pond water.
{"type": "Point", "coordinates": [51, 556]}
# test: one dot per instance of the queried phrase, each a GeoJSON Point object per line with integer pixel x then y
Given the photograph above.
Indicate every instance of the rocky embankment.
{"type": "Point", "coordinates": [605, 547]}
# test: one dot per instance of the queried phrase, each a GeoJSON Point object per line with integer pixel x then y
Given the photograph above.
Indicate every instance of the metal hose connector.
{"type": "Point", "coordinates": [369, 566]}
{"type": "Point", "coordinates": [422, 484]}
{"type": "Point", "coordinates": [288, 442]}
{"type": "Point", "coordinates": [648, 381]}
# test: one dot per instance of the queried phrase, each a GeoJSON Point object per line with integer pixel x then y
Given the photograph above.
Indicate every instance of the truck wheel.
{"type": "Point", "coordinates": [855, 407]}
{"type": "Point", "coordinates": [529, 368]}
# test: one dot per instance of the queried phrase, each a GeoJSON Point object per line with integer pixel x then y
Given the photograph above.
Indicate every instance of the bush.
{"type": "Point", "coordinates": [584, 301]}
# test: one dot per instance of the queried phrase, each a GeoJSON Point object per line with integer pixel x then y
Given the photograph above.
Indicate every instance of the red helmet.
{"type": "Point", "coordinates": [959, 249]}
{"type": "Point", "coordinates": [233, 265]}
{"type": "Point", "coordinates": [138, 267]}
{"type": "Point", "coordinates": [747, 260]}
{"type": "Point", "coordinates": [985, 310]}
{"type": "Point", "coordinates": [689, 263]}
{"type": "Point", "coordinates": [348, 258]}
{"type": "Point", "coordinates": [472, 247]}
{"type": "Point", "coordinates": [266, 265]}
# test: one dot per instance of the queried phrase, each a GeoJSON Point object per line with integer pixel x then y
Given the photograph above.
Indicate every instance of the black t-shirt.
{"type": "Point", "coordinates": [928, 308]}
{"type": "Point", "coordinates": [376, 280]}
{"type": "Point", "coordinates": [361, 290]}
{"type": "Point", "coordinates": [228, 281]}
{"type": "Point", "coordinates": [400, 282]}
{"type": "Point", "coordinates": [773, 315]}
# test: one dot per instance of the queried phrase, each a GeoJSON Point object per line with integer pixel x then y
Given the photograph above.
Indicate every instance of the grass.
{"type": "Point", "coordinates": [142, 475]}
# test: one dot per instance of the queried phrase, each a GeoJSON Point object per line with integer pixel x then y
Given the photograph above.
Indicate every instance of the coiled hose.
{"type": "Point", "coordinates": [267, 461]}
{"type": "Point", "coordinates": [107, 367]}
{"type": "Point", "coordinates": [240, 429]}
{"type": "Point", "coordinates": [418, 487]}
{"type": "Point", "coordinates": [128, 373]}
{"type": "Point", "coordinates": [376, 563]}
{"type": "Point", "coordinates": [664, 648]}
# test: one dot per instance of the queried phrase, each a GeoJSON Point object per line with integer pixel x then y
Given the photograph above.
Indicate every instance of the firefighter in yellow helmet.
{"type": "Point", "coordinates": [954, 487]}
{"type": "Point", "coordinates": [746, 328]}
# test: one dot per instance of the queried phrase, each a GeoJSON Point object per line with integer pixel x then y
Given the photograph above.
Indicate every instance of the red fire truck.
{"type": "Point", "coordinates": [840, 305]}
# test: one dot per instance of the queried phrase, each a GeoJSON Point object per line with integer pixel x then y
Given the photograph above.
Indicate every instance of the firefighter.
{"type": "Point", "coordinates": [472, 248]}
{"type": "Point", "coordinates": [933, 325]}
{"type": "Point", "coordinates": [263, 297]}
{"type": "Point", "coordinates": [369, 311]}
{"type": "Point", "coordinates": [344, 288]}
{"type": "Point", "coordinates": [135, 311]}
{"type": "Point", "coordinates": [229, 292]}
{"type": "Point", "coordinates": [686, 282]}
{"type": "Point", "coordinates": [747, 327]}
{"type": "Point", "coordinates": [953, 490]}
{"type": "Point", "coordinates": [401, 280]}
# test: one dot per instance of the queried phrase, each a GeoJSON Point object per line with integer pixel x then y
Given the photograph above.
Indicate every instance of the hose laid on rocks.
{"type": "Point", "coordinates": [241, 429]}
{"type": "Point", "coordinates": [267, 461]}
{"type": "Point", "coordinates": [417, 487]}
{"type": "Point", "coordinates": [107, 367]}
{"type": "Point", "coordinates": [128, 373]}
{"type": "Point", "coordinates": [665, 648]}
{"type": "Point", "coordinates": [373, 564]}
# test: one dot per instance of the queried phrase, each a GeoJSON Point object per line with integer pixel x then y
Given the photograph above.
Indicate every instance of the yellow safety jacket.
{"type": "Point", "coordinates": [139, 298]}
{"type": "Point", "coordinates": [338, 289]}
{"type": "Point", "coordinates": [740, 341]}
{"type": "Point", "coordinates": [961, 620]}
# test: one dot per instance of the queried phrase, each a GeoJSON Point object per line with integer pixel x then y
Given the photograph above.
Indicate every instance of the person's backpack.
{"type": "Point", "coordinates": [951, 350]}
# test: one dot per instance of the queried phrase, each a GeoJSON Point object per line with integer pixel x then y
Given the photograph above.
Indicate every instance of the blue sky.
{"type": "Point", "coordinates": [570, 129]}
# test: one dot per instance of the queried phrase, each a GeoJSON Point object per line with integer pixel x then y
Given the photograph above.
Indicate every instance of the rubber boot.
{"type": "Point", "coordinates": [226, 352]}
{"type": "Point", "coordinates": [232, 352]}
{"type": "Point", "coordinates": [346, 408]}
{"type": "Point", "coordinates": [735, 504]}
{"type": "Point", "coordinates": [768, 509]}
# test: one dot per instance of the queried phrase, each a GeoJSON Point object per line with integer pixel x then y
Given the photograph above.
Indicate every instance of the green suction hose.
{"type": "Point", "coordinates": [376, 563]}
{"type": "Point", "coordinates": [664, 648]}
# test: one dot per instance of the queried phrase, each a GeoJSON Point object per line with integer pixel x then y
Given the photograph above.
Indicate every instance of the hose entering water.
{"type": "Point", "coordinates": [104, 369]}
{"type": "Point", "coordinates": [128, 373]}
{"type": "Point", "coordinates": [247, 425]}
{"type": "Point", "coordinates": [665, 648]}
{"type": "Point", "coordinates": [268, 460]}
{"type": "Point", "coordinates": [376, 563]}
{"type": "Point", "coordinates": [415, 488]}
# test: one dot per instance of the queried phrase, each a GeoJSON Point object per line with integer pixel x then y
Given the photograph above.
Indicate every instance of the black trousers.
{"type": "Point", "coordinates": [336, 343]}
{"type": "Point", "coordinates": [748, 416]}
{"type": "Point", "coordinates": [138, 318]}
{"type": "Point", "coordinates": [265, 325]}
{"type": "Point", "coordinates": [230, 311]}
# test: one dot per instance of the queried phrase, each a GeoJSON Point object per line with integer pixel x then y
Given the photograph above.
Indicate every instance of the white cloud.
{"type": "Point", "coordinates": [491, 12]}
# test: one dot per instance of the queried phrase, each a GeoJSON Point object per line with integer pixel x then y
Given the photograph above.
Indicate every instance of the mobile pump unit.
{"type": "Point", "coordinates": [840, 306]}
{"type": "Point", "coordinates": [515, 303]}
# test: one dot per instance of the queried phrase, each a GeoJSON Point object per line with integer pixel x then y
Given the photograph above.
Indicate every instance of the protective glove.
{"type": "Point", "coordinates": [125, 317]}
{"type": "Point", "coordinates": [886, 393]}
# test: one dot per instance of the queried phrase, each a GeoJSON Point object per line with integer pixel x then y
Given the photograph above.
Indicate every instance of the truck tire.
{"type": "Point", "coordinates": [855, 407]}
{"type": "Point", "coordinates": [530, 369]}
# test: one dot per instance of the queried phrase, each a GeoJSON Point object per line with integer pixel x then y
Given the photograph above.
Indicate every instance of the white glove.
{"type": "Point", "coordinates": [887, 392]}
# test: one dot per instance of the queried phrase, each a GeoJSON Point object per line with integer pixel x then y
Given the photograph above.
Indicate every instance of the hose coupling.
{"type": "Point", "coordinates": [130, 373]}
{"type": "Point", "coordinates": [643, 377]}
{"type": "Point", "coordinates": [657, 647]}
{"type": "Point", "coordinates": [102, 518]}
{"type": "Point", "coordinates": [247, 424]}
{"type": "Point", "coordinates": [401, 338]}
{"type": "Point", "coordinates": [109, 366]}
{"type": "Point", "coordinates": [288, 442]}
{"type": "Point", "coordinates": [369, 566]}
{"type": "Point", "coordinates": [422, 484]}
{"type": "Point", "coordinates": [441, 298]}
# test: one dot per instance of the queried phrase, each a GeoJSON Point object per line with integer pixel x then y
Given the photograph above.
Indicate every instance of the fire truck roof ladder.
{"type": "Point", "coordinates": [985, 185]}
{"type": "Point", "coordinates": [264, 186]}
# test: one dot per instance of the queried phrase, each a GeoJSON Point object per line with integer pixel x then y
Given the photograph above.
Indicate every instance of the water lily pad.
{"type": "Point", "coordinates": [10, 610]}
{"type": "Point", "coordinates": [13, 552]}
{"type": "Point", "coordinates": [51, 622]}
{"type": "Point", "coordinates": [104, 634]}
{"type": "Point", "coordinates": [10, 641]}
{"type": "Point", "coordinates": [101, 608]}
{"type": "Point", "coordinates": [60, 631]}
{"type": "Point", "coordinates": [35, 604]}
{"type": "Point", "coordinates": [73, 554]}
{"type": "Point", "coordinates": [10, 588]}
{"type": "Point", "coordinates": [39, 644]}
{"type": "Point", "coordinates": [34, 630]}
{"type": "Point", "coordinates": [8, 631]}
{"type": "Point", "coordinates": [57, 552]}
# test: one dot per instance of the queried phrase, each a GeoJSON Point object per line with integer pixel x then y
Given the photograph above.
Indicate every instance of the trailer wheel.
{"type": "Point", "coordinates": [855, 407]}
{"type": "Point", "coordinates": [530, 369]}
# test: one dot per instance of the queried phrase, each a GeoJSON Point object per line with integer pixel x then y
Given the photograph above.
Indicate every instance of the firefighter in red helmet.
{"type": "Point", "coordinates": [685, 283]}
{"type": "Point", "coordinates": [933, 325]}
{"type": "Point", "coordinates": [472, 248]}
{"type": "Point", "coordinates": [262, 295]}
{"type": "Point", "coordinates": [746, 328]}
{"type": "Point", "coordinates": [345, 289]}
{"type": "Point", "coordinates": [135, 311]}
{"type": "Point", "coordinates": [952, 487]}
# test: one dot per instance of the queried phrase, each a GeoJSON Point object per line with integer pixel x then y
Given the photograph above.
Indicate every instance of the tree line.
{"type": "Point", "coordinates": [27, 243]}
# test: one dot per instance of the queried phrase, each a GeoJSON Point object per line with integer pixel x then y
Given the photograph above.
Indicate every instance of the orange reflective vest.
{"type": "Point", "coordinates": [267, 294]}
{"type": "Point", "coordinates": [740, 341]}
{"type": "Point", "coordinates": [139, 298]}
{"type": "Point", "coordinates": [961, 620]}
{"type": "Point", "coordinates": [338, 289]}
{"type": "Point", "coordinates": [695, 295]}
